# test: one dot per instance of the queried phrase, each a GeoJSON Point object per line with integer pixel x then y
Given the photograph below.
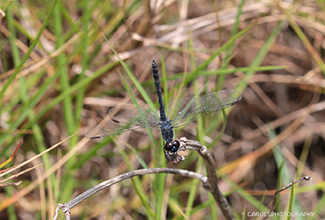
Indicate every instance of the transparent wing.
{"type": "Point", "coordinates": [183, 111]}
{"type": "Point", "coordinates": [121, 119]}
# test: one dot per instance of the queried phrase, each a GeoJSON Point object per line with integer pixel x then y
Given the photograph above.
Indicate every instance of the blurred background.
{"type": "Point", "coordinates": [59, 76]}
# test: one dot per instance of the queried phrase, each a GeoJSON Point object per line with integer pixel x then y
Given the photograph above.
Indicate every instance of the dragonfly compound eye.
{"type": "Point", "coordinates": [175, 145]}
{"type": "Point", "coordinates": [169, 146]}
{"type": "Point", "coordinates": [172, 146]}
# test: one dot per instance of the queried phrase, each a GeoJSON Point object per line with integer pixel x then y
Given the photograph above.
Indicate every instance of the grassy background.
{"type": "Point", "coordinates": [59, 76]}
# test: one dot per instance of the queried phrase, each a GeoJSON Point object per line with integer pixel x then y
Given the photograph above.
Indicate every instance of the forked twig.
{"type": "Point", "coordinates": [286, 187]}
{"type": "Point", "coordinates": [281, 189]}
{"type": "Point", "coordinates": [212, 182]}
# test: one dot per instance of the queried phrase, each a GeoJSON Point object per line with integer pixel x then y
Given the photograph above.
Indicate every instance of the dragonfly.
{"type": "Point", "coordinates": [180, 112]}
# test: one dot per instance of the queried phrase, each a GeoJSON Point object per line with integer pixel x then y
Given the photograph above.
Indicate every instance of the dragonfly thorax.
{"type": "Point", "coordinates": [167, 131]}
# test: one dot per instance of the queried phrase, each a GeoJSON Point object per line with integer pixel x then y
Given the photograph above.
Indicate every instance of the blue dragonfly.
{"type": "Point", "coordinates": [180, 112]}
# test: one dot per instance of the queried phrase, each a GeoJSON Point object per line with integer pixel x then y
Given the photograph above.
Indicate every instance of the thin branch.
{"type": "Point", "coordinates": [67, 206]}
{"type": "Point", "coordinates": [281, 189]}
{"type": "Point", "coordinates": [307, 178]}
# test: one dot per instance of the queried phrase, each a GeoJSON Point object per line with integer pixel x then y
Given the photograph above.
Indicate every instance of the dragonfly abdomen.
{"type": "Point", "coordinates": [155, 73]}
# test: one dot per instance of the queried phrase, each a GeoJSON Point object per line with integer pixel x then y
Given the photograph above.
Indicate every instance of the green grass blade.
{"type": "Point", "coordinates": [257, 61]}
{"type": "Point", "coordinates": [26, 56]}
{"type": "Point", "coordinates": [137, 85]}
{"type": "Point", "coordinates": [229, 51]}
{"type": "Point", "coordinates": [261, 55]}
{"type": "Point", "coordinates": [229, 43]}
{"type": "Point", "coordinates": [84, 62]}
{"type": "Point", "coordinates": [72, 90]}
{"type": "Point", "coordinates": [137, 185]}
{"type": "Point", "coordinates": [200, 134]}
{"type": "Point", "coordinates": [243, 194]}
{"type": "Point", "coordinates": [291, 200]}
{"type": "Point", "coordinates": [284, 175]}
{"type": "Point", "coordinates": [64, 77]}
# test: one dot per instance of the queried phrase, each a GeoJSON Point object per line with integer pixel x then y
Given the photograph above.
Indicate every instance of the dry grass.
{"type": "Point", "coordinates": [273, 136]}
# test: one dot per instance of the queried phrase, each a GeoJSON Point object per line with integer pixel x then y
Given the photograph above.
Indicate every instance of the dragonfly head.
{"type": "Point", "coordinates": [172, 146]}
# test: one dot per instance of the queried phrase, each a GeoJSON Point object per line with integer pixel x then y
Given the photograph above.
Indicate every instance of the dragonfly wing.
{"type": "Point", "coordinates": [121, 119]}
{"type": "Point", "coordinates": [183, 111]}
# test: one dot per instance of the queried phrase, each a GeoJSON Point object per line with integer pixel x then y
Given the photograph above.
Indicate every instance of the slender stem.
{"type": "Point", "coordinates": [307, 178]}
